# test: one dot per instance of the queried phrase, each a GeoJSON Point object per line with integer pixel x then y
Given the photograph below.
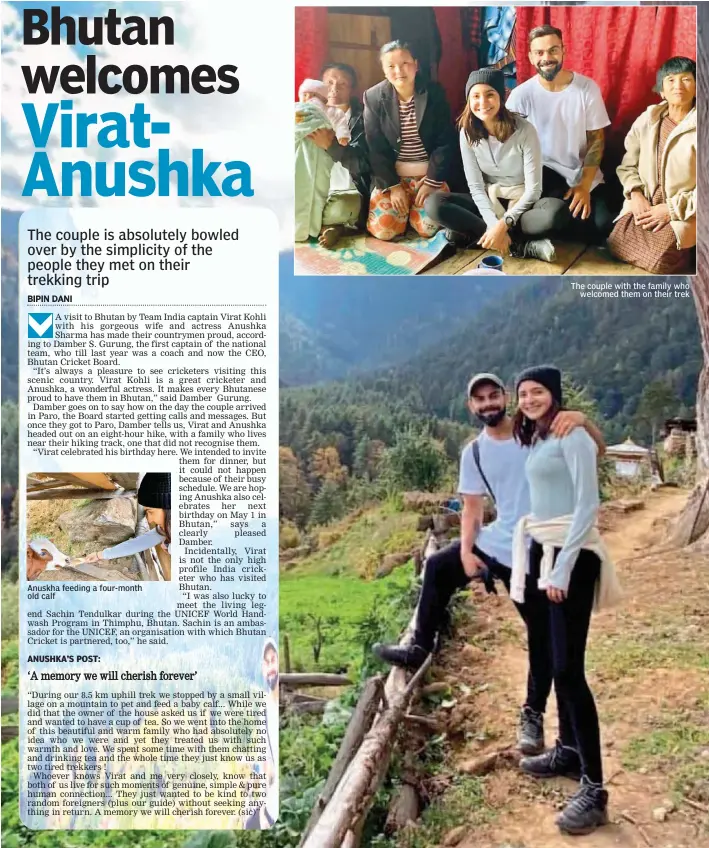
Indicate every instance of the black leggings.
{"type": "Point", "coordinates": [604, 208]}
{"type": "Point", "coordinates": [568, 624]}
{"type": "Point", "coordinates": [458, 212]}
{"type": "Point", "coordinates": [556, 639]}
{"type": "Point", "coordinates": [445, 575]}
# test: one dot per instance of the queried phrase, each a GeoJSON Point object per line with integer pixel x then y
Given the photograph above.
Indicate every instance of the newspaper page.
{"type": "Point", "coordinates": [353, 358]}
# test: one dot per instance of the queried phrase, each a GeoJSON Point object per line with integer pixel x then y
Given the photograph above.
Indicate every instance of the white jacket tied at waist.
{"type": "Point", "coordinates": [552, 534]}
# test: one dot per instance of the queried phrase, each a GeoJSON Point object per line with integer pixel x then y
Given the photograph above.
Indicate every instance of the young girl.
{"type": "Point", "coordinates": [573, 567]}
{"type": "Point", "coordinates": [154, 497]}
{"type": "Point", "coordinates": [411, 143]}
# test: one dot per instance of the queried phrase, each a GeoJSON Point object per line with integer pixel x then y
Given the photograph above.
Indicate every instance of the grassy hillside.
{"type": "Point", "coordinates": [336, 585]}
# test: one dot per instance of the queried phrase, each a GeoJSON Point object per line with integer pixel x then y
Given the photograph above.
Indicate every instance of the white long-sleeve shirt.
{"type": "Point", "coordinates": [136, 545]}
{"type": "Point", "coordinates": [515, 162]}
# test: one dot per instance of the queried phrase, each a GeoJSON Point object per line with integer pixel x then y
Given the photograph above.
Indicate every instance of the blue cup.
{"type": "Point", "coordinates": [493, 263]}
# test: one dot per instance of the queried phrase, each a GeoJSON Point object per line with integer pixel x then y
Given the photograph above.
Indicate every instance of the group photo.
{"type": "Point", "coordinates": [488, 140]}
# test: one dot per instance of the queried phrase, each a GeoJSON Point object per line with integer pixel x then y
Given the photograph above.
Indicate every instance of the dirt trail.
{"type": "Point", "coordinates": [648, 670]}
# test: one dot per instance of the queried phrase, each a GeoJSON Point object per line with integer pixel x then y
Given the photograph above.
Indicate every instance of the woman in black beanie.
{"type": "Point", "coordinates": [503, 165]}
{"type": "Point", "coordinates": [154, 495]}
{"type": "Point", "coordinates": [573, 567]}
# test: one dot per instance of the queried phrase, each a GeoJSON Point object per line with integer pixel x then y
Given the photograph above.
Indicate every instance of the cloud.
{"type": "Point", "coordinates": [252, 125]}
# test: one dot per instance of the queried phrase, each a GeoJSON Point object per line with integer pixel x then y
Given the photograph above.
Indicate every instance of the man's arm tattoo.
{"type": "Point", "coordinates": [595, 140]}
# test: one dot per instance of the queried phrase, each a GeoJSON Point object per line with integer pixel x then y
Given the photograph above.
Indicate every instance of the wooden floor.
{"type": "Point", "coordinates": [572, 258]}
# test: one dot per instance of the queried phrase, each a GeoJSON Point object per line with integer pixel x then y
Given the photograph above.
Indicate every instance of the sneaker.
{"type": "Point", "coordinates": [557, 762]}
{"type": "Point", "coordinates": [586, 810]}
{"type": "Point", "coordinates": [411, 658]}
{"type": "Point", "coordinates": [538, 249]}
{"type": "Point", "coordinates": [530, 736]}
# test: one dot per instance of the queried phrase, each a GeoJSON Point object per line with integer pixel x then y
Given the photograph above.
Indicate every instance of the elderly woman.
{"type": "Point", "coordinates": [658, 224]}
{"type": "Point", "coordinates": [411, 144]}
{"type": "Point", "coordinates": [502, 158]}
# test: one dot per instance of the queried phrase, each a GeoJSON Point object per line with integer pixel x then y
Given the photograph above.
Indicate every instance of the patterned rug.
{"type": "Point", "coordinates": [362, 255]}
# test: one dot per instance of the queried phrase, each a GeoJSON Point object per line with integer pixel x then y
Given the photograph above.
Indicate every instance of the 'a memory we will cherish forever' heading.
{"type": "Point", "coordinates": [60, 125]}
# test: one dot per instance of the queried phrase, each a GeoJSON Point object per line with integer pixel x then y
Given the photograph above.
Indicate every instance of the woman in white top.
{"type": "Point", "coordinates": [503, 165]}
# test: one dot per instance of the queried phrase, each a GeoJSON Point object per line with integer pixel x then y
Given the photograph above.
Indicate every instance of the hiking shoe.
{"type": "Point", "coordinates": [586, 810]}
{"type": "Point", "coordinates": [412, 657]}
{"type": "Point", "coordinates": [530, 736]}
{"type": "Point", "coordinates": [538, 249]}
{"type": "Point", "coordinates": [460, 240]}
{"type": "Point", "coordinates": [557, 762]}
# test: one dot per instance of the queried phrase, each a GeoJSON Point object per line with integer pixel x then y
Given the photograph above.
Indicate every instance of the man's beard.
{"type": "Point", "coordinates": [491, 418]}
{"type": "Point", "coordinates": [272, 681]}
{"type": "Point", "coordinates": [550, 72]}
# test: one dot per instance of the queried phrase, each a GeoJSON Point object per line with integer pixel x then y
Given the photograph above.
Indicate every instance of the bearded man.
{"type": "Point", "coordinates": [492, 464]}
{"type": "Point", "coordinates": [568, 112]}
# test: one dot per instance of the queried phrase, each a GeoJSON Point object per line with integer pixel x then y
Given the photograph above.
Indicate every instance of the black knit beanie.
{"type": "Point", "coordinates": [547, 376]}
{"type": "Point", "coordinates": [487, 76]}
{"type": "Point", "coordinates": [154, 491]}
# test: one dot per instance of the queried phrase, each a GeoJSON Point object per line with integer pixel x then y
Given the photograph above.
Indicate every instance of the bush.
{"type": "Point", "coordinates": [11, 667]}
{"type": "Point", "coordinates": [289, 536]}
{"type": "Point", "coordinates": [416, 461]}
{"type": "Point", "coordinates": [10, 610]}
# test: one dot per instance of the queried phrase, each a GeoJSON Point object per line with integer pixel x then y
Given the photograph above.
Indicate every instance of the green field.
{"type": "Point", "coordinates": [337, 585]}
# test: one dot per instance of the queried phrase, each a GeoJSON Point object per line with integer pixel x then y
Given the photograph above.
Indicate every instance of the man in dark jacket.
{"type": "Point", "coordinates": [348, 200]}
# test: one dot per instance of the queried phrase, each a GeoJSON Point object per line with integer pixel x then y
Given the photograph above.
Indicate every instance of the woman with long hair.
{"type": "Point", "coordinates": [570, 563]}
{"type": "Point", "coordinates": [503, 165]}
{"type": "Point", "coordinates": [411, 144]}
{"type": "Point", "coordinates": [657, 227]}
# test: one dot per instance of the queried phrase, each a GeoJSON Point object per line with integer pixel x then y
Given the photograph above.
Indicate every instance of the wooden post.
{"type": "Point", "coordinates": [354, 793]}
{"type": "Point", "coordinates": [313, 679]}
{"type": "Point", "coordinates": [341, 819]}
{"type": "Point", "coordinates": [286, 653]}
{"type": "Point", "coordinates": [361, 721]}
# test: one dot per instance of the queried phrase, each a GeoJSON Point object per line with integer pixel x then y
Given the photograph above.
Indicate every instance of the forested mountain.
{"type": "Point", "coordinates": [332, 328]}
{"type": "Point", "coordinates": [612, 348]}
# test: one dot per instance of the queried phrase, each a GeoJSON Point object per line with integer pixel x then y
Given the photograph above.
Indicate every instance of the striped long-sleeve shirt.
{"type": "Point", "coordinates": [412, 149]}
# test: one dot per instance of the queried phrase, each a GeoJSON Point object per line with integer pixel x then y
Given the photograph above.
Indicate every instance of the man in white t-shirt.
{"type": "Point", "coordinates": [485, 552]}
{"type": "Point", "coordinates": [569, 114]}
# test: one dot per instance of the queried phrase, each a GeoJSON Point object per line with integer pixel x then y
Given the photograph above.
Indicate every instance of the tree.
{"type": "Point", "coordinates": [293, 488]}
{"type": "Point", "coordinates": [657, 401]}
{"type": "Point", "coordinates": [328, 504]}
{"type": "Point", "coordinates": [325, 466]}
{"type": "Point", "coordinates": [693, 524]}
{"type": "Point", "coordinates": [416, 461]}
{"type": "Point", "coordinates": [321, 627]}
{"type": "Point", "coordinates": [367, 457]}
{"type": "Point", "coordinates": [9, 443]}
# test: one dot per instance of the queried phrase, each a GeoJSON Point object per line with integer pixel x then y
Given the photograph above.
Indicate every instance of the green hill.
{"type": "Point", "coordinates": [613, 348]}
